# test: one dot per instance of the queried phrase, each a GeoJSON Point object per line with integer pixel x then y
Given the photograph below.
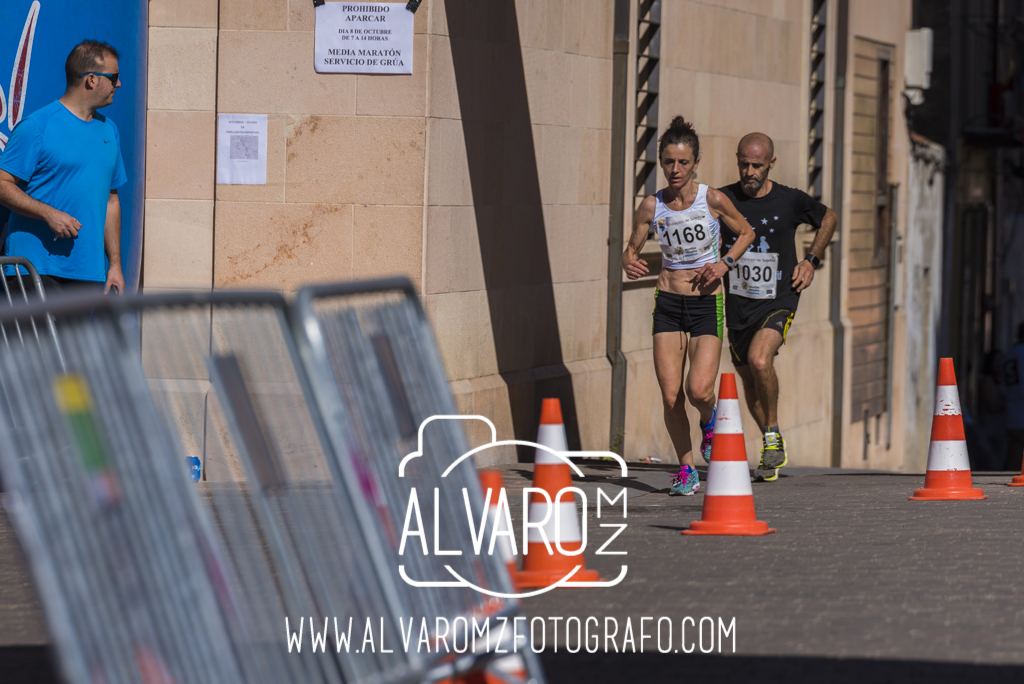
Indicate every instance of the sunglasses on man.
{"type": "Point", "coordinates": [114, 77]}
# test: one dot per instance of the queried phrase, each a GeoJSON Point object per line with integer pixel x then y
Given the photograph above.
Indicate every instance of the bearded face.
{"type": "Point", "coordinates": [754, 162]}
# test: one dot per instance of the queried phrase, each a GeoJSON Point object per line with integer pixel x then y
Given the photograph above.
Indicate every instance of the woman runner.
{"type": "Point", "coordinates": [689, 298]}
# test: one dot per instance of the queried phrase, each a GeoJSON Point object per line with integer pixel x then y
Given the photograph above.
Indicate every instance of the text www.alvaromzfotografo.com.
{"type": "Point", "coordinates": [574, 634]}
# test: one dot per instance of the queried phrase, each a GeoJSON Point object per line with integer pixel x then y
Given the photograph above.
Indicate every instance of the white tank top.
{"type": "Point", "coordinates": [689, 238]}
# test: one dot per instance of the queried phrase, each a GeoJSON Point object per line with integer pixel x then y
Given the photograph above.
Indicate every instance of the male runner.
{"type": "Point", "coordinates": [764, 290]}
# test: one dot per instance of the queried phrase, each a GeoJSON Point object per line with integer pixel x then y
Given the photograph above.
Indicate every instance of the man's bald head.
{"type": "Point", "coordinates": [756, 145]}
{"type": "Point", "coordinates": [755, 157]}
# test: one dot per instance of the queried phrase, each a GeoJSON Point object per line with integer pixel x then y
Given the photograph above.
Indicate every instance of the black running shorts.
{"type": "Point", "coordinates": [739, 340]}
{"type": "Point", "coordinates": [698, 315]}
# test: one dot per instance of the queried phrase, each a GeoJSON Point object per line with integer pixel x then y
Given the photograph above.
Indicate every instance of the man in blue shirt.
{"type": "Point", "coordinates": [59, 177]}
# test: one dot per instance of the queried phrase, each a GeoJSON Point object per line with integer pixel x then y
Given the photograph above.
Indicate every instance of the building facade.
{"type": "Point", "coordinates": [489, 177]}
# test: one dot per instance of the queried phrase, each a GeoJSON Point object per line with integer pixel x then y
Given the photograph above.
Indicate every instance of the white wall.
{"type": "Point", "coordinates": [922, 296]}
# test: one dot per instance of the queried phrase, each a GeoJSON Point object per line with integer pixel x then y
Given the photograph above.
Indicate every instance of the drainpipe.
{"type": "Point", "coordinates": [895, 241]}
{"type": "Point", "coordinates": [616, 219]}
{"type": "Point", "coordinates": [836, 288]}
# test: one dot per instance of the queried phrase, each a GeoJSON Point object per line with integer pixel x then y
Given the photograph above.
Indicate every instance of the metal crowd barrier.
{"type": "Point", "coordinates": [108, 521]}
{"type": "Point", "coordinates": [289, 513]}
{"type": "Point", "coordinates": [21, 296]}
{"type": "Point", "coordinates": [378, 376]}
{"type": "Point", "coordinates": [147, 577]}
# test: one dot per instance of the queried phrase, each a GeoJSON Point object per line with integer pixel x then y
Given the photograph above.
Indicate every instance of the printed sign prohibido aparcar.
{"type": "Point", "coordinates": [363, 38]}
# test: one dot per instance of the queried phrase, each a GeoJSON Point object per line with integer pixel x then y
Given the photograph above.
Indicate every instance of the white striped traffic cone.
{"type": "Point", "coordinates": [949, 470]}
{"type": "Point", "coordinates": [728, 499]}
{"type": "Point", "coordinates": [540, 567]}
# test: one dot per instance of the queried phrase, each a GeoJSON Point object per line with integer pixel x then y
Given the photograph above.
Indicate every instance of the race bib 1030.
{"type": "Point", "coordinates": [755, 276]}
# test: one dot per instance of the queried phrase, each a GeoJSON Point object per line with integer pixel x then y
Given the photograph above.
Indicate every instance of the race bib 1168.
{"type": "Point", "coordinates": [685, 237]}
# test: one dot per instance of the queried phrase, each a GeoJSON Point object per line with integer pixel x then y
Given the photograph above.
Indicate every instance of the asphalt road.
{"type": "Point", "coordinates": [858, 584]}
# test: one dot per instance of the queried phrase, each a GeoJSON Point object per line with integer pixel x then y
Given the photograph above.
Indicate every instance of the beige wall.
{"type": "Point", "coordinates": [370, 176]}
{"type": "Point", "coordinates": [180, 144]}
{"type": "Point", "coordinates": [483, 176]}
{"type": "Point", "coordinates": [884, 22]}
{"type": "Point", "coordinates": [322, 204]}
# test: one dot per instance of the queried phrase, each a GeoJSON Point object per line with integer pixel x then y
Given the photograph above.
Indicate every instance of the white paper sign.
{"type": "Point", "coordinates": [363, 38]}
{"type": "Point", "coordinates": [242, 149]}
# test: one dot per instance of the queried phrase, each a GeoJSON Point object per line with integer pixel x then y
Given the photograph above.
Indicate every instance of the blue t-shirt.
{"type": "Point", "coordinates": [71, 165]}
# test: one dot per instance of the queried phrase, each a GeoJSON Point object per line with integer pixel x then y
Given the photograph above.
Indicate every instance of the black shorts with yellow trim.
{"type": "Point", "coordinates": [695, 315]}
{"type": "Point", "coordinates": [739, 340]}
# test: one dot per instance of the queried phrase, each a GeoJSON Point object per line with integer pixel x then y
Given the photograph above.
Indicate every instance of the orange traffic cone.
{"type": "Point", "coordinates": [510, 668]}
{"type": "Point", "coordinates": [949, 471]}
{"type": "Point", "coordinates": [491, 480]}
{"type": "Point", "coordinates": [542, 568]}
{"type": "Point", "coordinates": [728, 500]}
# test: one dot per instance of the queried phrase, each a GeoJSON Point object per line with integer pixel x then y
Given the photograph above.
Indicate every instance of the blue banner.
{"type": "Point", "coordinates": [35, 39]}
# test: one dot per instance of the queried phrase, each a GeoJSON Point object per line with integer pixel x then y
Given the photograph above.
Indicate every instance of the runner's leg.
{"type": "Point", "coordinates": [750, 393]}
{"type": "Point", "coordinates": [705, 353]}
{"type": "Point", "coordinates": [669, 365]}
{"type": "Point", "coordinates": [761, 360]}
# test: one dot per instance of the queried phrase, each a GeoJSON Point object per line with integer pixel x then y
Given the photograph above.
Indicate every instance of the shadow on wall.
{"type": "Point", "coordinates": [491, 85]}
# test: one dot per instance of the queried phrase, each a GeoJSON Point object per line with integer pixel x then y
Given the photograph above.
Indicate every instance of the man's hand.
{"type": "Point", "coordinates": [115, 280]}
{"type": "Point", "coordinates": [63, 225]}
{"type": "Point", "coordinates": [709, 273]}
{"type": "Point", "coordinates": [636, 269]}
{"type": "Point", "coordinates": [803, 274]}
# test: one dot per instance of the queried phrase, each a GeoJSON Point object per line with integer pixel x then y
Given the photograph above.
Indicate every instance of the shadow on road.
{"type": "Point", "coordinates": [599, 668]}
{"type": "Point", "coordinates": [27, 665]}
{"type": "Point", "coordinates": [33, 665]}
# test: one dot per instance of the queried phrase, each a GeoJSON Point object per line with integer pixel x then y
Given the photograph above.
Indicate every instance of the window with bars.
{"type": "Point", "coordinates": [648, 53]}
{"type": "Point", "coordinates": [816, 111]}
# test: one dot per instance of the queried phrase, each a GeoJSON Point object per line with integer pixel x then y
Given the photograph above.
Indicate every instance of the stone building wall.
{"type": "Point", "coordinates": [483, 177]}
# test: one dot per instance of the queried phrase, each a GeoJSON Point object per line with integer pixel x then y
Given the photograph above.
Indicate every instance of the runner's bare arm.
{"type": "Point", "coordinates": [635, 266]}
{"type": "Point", "coordinates": [803, 274]}
{"type": "Point", "coordinates": [15, 199]}
{"type": "Point", "coordinates": [726, 212]}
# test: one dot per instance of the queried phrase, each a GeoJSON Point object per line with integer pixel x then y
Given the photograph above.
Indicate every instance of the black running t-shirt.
{"type": "Point", "coordinates": [774, 218]}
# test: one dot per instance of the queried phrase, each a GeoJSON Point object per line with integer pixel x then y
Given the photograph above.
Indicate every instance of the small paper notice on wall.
{"type": "Point", "coordinates": [363, 38]}
{"type": "Point", "coordinates": [242, 149]}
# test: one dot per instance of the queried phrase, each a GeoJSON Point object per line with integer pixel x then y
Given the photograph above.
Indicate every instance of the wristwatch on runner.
{"type": "Point", "coordinates": [730, 263]}
{"type": "Point", "coordinates": [815, 261]}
